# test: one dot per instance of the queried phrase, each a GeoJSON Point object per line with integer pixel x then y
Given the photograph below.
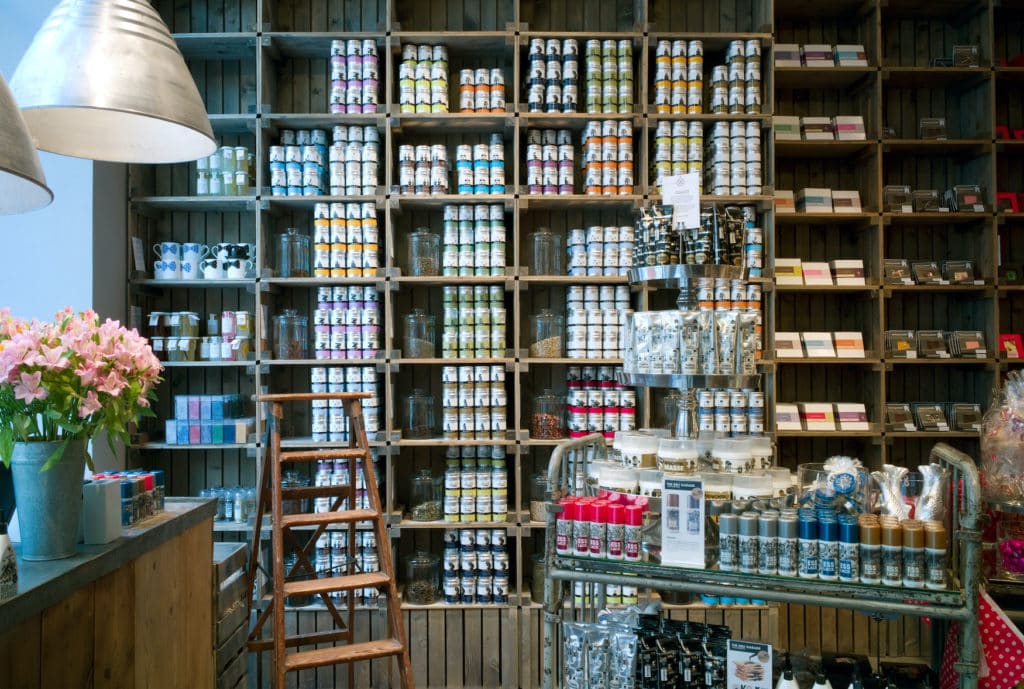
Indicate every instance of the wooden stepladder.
{"type": "Point", "coordinates": [300, 531]}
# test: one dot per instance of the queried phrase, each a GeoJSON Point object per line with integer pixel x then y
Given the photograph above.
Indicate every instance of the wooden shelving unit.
{"type": "Point", "coordinates": [263, 66]}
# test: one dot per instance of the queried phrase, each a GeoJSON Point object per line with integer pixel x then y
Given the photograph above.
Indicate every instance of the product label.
{"type": "Point", "coordinates": [682, 528]}
{"type": "Point", "coordinates": [749, 665]}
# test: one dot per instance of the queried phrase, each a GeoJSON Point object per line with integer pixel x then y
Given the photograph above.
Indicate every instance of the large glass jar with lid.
{"type": "Point", "coordinates": [420, 335]}
{"type": "Point", "coordinates": [545, 252]}
{"type": "Point", "coordinates": [425, 494]}
{"type": "Point", "coordinates": [548, 419]}
{"type": "Point", "coordinates": [293, 254]}
{"type": "Point", "coordinates": [419, 416]}
{"type": "Point", "coordinates": [422, 578]}
{"type": "Point", "coordinates": [424, 253]}
{"type": "Point", "coordinates": [547, 335]}
{"type": "Point", "coordinates": [291, 335]}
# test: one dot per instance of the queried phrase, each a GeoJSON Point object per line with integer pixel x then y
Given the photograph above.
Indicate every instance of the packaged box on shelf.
{"type": "Point", "coordinates": [214, 407]}
{"type": "Point", "coordinates": [817, 273]}
{"type": "Point", "coordinates": [208, 431]}
{"type": "Point", "coordinates": [852, 416]}
{"type": "Point", "coordinates": [787, 418]}
{"type": "Point", "coordinates": [849, 128]}
{"type": "Point", "coordinates": [787, 346]}
{"type": "Point", "coordinates": [848, 271]}
{"type": "Point", "coordinates": [817, 416]}
{"type": "Point", "coordinates": [814, 200]}
{"type": "Point", "coordinates": [787, 55]}
{"type": "Point", "coordinates": [785, 202]}
{"type": "Point", "coordinates": [818, 344]}
{"type": "Point", "coordinates": [849, 345]}
{"type": "Point", "coordinates": [846, 201]}
{"type": "Point", "coordinates": [789, 271]}
{"type": "Point", "coordinates": [850, 55]}
{"type": "Point", "coordinates": [787, 128]}
{"type": "Point", "coordinates": [818, 128]}
{"type": "Point", "coordinates": [818, 55]}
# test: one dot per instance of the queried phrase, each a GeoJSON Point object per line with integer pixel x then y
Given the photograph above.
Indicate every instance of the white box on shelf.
{"type": "Point", "coordinates": [818, 344]}
{"type": "Point", "coordinates": [849, 128]}
{"type": "Point", "coordinates": [852, 416]}
{"type": "Point", "coordinates": [818, 55]}
{"type": "Point", "coordinates": [849, 344]}
{"type": "Point", "coordinates": [817, 273]}
{"type": "Point", "coordinates": [787, 418]}
{"type": "Point", "coordinates": [848, 271]}
{"type": "Point", "coordinates": [846, 201]}
{"type": "Point", "coordinates": [818, 416]}
{"type": "Point", "coordinates": [786, 127]}
{"type": "Point", "coordinates": [814, 200]}
{"type": "Point", "coordinates": [787, 55]}
{"type": "Point", "coordinates": [785, 202]}
{"type": "Point", "coordinates": [818, 128]}
{"type": "Point", "coordinates": [787, 346]}
{"type": "Point", "coordinates": [788, 271]}
{"type": "Point", "coordinates": [850, 55]}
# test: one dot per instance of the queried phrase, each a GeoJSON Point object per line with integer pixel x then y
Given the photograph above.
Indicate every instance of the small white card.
{"type": "Point", "coordinates": [682, 522]}
{"type": "Point", "coordinates": [818, 344]}
{"type": "Point", "coordinates": [818, 416]}
{"type": "Point", "coordinates": [788, 271]}
{"type": "Point", "coordinates": [787, 346]}
{"type": "Point", "coordinates": [852, 416]}
{"type": "Point", "coordinates": [682, 192]}
{"type": "Point", "coordinates": [750, 665]}
{"type": "Point", "coordinates": [849, 345]}
{"type": "Point", "coordinates": [817, 274]}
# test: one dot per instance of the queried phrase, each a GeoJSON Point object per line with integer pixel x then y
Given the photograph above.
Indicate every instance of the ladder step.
{"type": "Point", "coordinates": [340, 583]}
{"type": "Point", "coordinates": [366, 650]}
{"type": "Point", "coordinates": [317, 518]}
{"type": "Point", "coordinates": [318, 455]}
{"type": "Point", "coordinates": [316, 492]}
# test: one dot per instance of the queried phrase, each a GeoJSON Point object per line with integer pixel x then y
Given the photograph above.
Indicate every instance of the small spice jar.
{"type": "Point", "coordinates": [424, 253]}
{"type": "Point", "coordinates": [422, 578]}
{"type": "Point", "coordinates": [425, 495]}
{"type": "Point", "coordinates": [548, 419]}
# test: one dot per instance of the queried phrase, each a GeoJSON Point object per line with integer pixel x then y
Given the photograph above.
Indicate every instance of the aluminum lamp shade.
{"type": "Point", "coordinates": [104, 80]}
{"type": "Point", "coordinates": [22, 184]}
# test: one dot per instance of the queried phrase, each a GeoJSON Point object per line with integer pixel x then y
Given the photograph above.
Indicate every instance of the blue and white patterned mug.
{"type": "Point", "coordinates": [167, 251]}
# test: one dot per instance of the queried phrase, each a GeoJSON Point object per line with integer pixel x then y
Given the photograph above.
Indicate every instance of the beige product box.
{"type": "Point", "coordinates": [788, 271]}
{"type": "Point", "coordinates": [817, 416]}
{"type": "Point", "coordinates": [849, 345]}
{"type": "Point", "coordinates": [785, 202]}
{"type": "Point", "coordinates": [786, 127]}
{"type": "Point", "coordinates": [852, 416]}
{"type": "Point", "coordinates": [818, 345]}
{"type": "Point", "coordinates": [787, 346]}
{"type": "Point", "coordinates": [787, 55]}
{"type": "Point", "coordinates": [846, 201]}
{"type": "Point", "coordinates": [814, 200]}
{"type": "Point", "coordinates": [787, 418]}
{"type": "Point", "coordinates": [848, 271]}
{"type": "Point", "coordinates": [817, 274]}
{"type": "Point", "coordinates": [850, 55]}
{"type": "Point", "coordinates": [818, 55]}
{"type": "Point", "coordinates": [818, 128]}
{"type": "Point", "coordinates": [849, 128]}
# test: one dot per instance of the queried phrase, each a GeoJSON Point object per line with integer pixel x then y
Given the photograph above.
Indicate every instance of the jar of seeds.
{"type": "Point", "coordinates": [548, 335]}
{"type": "Point", "coordinates": [425, 495]}
{"type": "Point", "coordinates": [419, 335]}
{"type": "Point", "coordinates": [422, 578]}
{"type": "Point", "coordinates": [424, 253]}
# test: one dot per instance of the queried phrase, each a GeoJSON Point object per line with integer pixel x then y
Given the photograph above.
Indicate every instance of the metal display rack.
{"type": "Point", "coordinates": [959, 602]}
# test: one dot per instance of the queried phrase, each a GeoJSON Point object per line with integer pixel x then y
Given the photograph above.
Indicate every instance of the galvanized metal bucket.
{"type": "Point", "coordinates": [49, 502]}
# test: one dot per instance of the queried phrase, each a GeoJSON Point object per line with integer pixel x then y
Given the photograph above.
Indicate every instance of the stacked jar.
{"type": "Point", "coordinates": [609, 76]}
{"type": "Point", "coordinates": [550, 162]}
{"type": "Point", "coordinates": [608, 157]}
{"type": "Point", "coordinates": [594, 319]}
{"type": "Point", "coordinates": [329, 422]}
{"type": "Point", "coordinates": [298, 163]}
{"type": "Point", "coordinates": [474, 321]}
{"type": "Point", "coordinates": [476, 484]}
{"type": "Point", "coordinates": [736, 85]}
{"type": "Point", "coordinates": [553, 81]}
{"type": "Point", "coordinates": [476, 567]}
{"type": "Point", "coordinates": [482, 90]}
{"type": "Point", "coordinates": [335, 472]}
{"type": "Point", "coordinates": [474, 240]}
{"type": "Point", "coordinates": [354, 159]}
{"type": "Point", "coordinates": [422, 169]}
{"type": "Point", "coordinates": [678, 150]}
{"type": "Point", "coordinates": [600, 250]}
{"type": "Point", "coordinates": [423, 79]}
{"type": "Point", "coordinates": [679, 77]}
{"type": "Point", "coordinates": [474, 402]}
{"type": "Point", "coordinates": [734, 413]}
{"type": "Point", "coordinates": [355, 76]}
{"type": "Point", "coordinates": [733, 159]}
{"type": "Point", "coordinates": [346, 323]}
{"type": "Point", "coordinates": [346, 240]}
{"type": "Point", "coordinates": [596, 403]}
{"type": "Point", "coordinates": [480, 168]}
{"type": "Point", "coordinates": [227, 172]}
{"type": "Point", "coordinates": [175, 336]}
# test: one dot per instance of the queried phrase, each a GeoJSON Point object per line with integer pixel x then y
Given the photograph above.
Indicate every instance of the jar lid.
{"type": "Point", "coordinates": [421, 557]}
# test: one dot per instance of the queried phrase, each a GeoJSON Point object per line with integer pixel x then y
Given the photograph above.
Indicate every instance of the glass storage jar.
{"type": "Point", "coordinates": [422, 578]}
{"type": "Point", "coordinates": [538, 496]}
{"type": "Point", "coordinates": [419, 416]}
{"type": "Point", "coordinates": [425, 495]}
{"type": "Point", "coordinates": [424, 253]}
{"type": "Point", "coordinates": [293, 254]}
{"type": "Point", "coordinates": [548, 419]}
{"type": "Point", "coordinates": [419, 335]}
{"type": "Point", "coordinates": [545, 252]}
{"type": "Point", "coordinates": [547, 335]}
{"type": "Point", "coordinates": [291, 335]}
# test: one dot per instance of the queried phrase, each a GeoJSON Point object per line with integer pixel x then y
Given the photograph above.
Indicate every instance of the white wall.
{"type": "Point", "coordinates": [46, 257]}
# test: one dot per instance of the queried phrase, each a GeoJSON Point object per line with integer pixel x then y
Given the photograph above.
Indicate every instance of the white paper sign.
{"type": "Point", "coordinates": [682, 522]}
{"type": "Point", "coordinates": [682, 192]}
{"type": "Point", "coordinates": [750, 665]}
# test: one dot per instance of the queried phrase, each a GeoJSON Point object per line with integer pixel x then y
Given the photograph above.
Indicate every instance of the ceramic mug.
{"type": "Point", "coordinates": [199, 251]}
{"type": "Point", "coordinates": [167, 270]}
{"type": "Point", "coordinates": [220, 251]}
{"type": "Point", "coordinates": [167, 251]}
{"type": "Point", "coordinates": [236, 269]}
{"type": "Point", "coordinates": [211, 269]}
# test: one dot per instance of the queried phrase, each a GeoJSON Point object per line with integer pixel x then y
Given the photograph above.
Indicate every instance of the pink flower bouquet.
{"type": "Point", "coordinates": [67, 379]}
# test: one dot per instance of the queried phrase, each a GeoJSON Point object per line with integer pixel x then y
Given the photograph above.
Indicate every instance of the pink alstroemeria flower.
{"type": "Point", "coordinates": [29, 389]}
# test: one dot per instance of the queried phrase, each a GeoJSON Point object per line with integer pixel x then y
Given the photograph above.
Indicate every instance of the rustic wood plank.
{"type": "Point", "coordinates": [454, 649]}
{"type": "Point", "coordinates": [418, 651]}
{"type": "Point", "coordinates": [62, 628]}
{"type": "Point", "coordinates": [492, 623]}
{"type": "Point", "coordinates": [114, 635]}
{"type": "Point", "coordinates": [20, 659]}
{"type": "Point", "coordinates": [473, 632]}
{"type": "Point", "coordinates": [436, 635]}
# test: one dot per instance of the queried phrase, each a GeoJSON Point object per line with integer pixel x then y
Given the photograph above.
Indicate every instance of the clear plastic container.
{"type": "Point", "coordinates": [545, 252]}
{"type": "Point", "coordinates": [419, 416]}
{"type": "Point", "coordinates": [422, 578]}
{"type": "Point", "coordinates": [746, 486]}
{"type": "Point", "coordinates": [548, 335]}
{"type": "Point", "coordinates": [678, 456]}
{"type": "Point", "coordinates": [425, 493]}
{"type": "Point", "coordinates": [420, 335]}
{"type": "Point", "coordinates": [293, 254]}
{"type": "Point", "coordinates": [424, 253]}
{"type": "Point", "coordinates": [548, 419]}
{"type": "Point", "coordinates": [731, 455]}
{"type": "Point", "coordinates": [291, 335]}
{"type": "Point", "coordinates": [717, 485]}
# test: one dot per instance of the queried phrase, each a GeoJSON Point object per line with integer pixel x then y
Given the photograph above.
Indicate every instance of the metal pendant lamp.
{"type": "Point", "coordinates": [22, 184]}
{"type": "Point", "coordinates": [104, 80]}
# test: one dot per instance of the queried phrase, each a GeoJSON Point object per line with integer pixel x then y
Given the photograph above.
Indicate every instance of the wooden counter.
{"type": "Point", "coordinates": [131, 614]}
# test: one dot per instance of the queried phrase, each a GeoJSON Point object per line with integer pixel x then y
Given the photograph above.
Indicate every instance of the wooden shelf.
{"type": "Point", "coordinates": [811, 289]}
{"type": "Point", "coordinates": [290, 44]}
{"type": "Point", "coordinates": [565, 361]}
{"type": "Point", "coordinates": [1010, 73]}
{"type": "Point", "coordinates": [209, 364]}
{"type": "Point", "coordinates": [459, 121]}
{"type": "Point", "coordinates": [225, 123]}
{"type": "Point", "coordinates": [953, 361]}
{"type": "Point", "coordinates": [823, 149]}
{"type": "Point", "coordinates": [323, 282]}
{"type": "Point", "coordinates": [487, 42]}
{"type": "Point", "coordinates": [574, 279]}
{"type": "Point", "coordinates": [576, 121]}
{"type": "Point", "coordinates": [217, 46]}
{"type": "Point", "coordinates": [196, 284]}
{"type": "Point", "coordinates": [437, 280]}
{"type": "Point", "coordinates": [201, 204]}
{"type": "Point", "coordinates": [323, 362]}
{"type": "Point", "coordinates": [934, 218]}
{"type": "Point", "coordinates": [444, 361]}
{"type": "Point", "coordinates": [705, 117]}
{"type": "Point", "coordinates": [278, 121]}
{"type": "Point", "coordinates": [932, 77]}
{"type": "Point", "coordinates": [401, 201]}
{"type": "Point", "coordinates": [828, 434]}
{"type": "Point", "coordinates": [814, 8]}
{"type": "Point", "coordinates": [933, 8]}
{"type": "Point", "coordinates": [445, 442]}
{"type": "Point", "coordinates": [195, 447]}
{"type": "Point", "coordinates": [937, 288]}
{"type": "Point", "coordinates": [826, 218]}
{"type": "Point", "coordinates": [932, 434]}
{"type": "Point", "coordinates": [539, 202]}
{"type": "Point", "coordinates": [292, 203]}
{"type": "Point", "coordinates": [956, 148]}
{"type": "Point", "coordinates": [827, 361]}
{"type": "Point", "coordinates": [815, 78]}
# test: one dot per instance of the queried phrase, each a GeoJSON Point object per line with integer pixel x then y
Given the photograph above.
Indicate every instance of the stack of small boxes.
{"type": "Point", "coordinates": [609, 65]}
{"type": "Point", "coordinates": [476, 567]}
{"type": "Point", "coordinates": [329, 423]}
{"type": "Point", "coordinates": [554, 71]}
{"type": "Point", "coordinates": [355, 76]}
{"type": "Point", "coordinates": [209, 420]}
{"type": "Point", "coordinates": [346, 323]}
{"type": "Point", "coordinates": [550, 162]}
{"type": "Point", "coordinates": [474, 324]}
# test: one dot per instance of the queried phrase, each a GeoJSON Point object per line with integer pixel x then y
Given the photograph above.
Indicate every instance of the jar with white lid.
{"type": "Point", "coordinates": [731, 455]}
{"type": "Point", "coordinates": [678, 456]}
{"type": "Point", "coordinates": [618, 480]}
{"type": "Point", "coordinates": [639, 450]}
{"type": "Point", "coordinates": [761, 452]}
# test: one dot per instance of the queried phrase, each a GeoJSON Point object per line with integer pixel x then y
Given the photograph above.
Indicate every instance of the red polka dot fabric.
{"type": "Point", "coordinates": [1001, 660]}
